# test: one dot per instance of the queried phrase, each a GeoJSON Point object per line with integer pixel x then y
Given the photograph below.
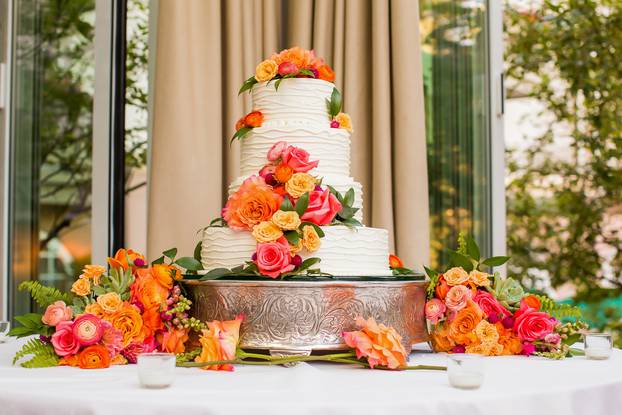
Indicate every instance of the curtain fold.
{"type": "Point", "coordinates": [205, 49]}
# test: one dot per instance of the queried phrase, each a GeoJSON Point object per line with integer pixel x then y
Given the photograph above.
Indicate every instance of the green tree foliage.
{"type": "Point", "coordinates": [563, 209]}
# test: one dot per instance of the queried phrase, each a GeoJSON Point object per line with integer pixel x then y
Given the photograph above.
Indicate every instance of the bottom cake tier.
{"type": "Point", "coordinates": [360, 251]}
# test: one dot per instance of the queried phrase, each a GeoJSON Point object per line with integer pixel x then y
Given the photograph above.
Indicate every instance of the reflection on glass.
{"type": "Point", "coordinates": [456, 102]}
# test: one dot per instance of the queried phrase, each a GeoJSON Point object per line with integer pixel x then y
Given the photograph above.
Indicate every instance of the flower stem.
{"type": "Point", "coordinates": [423, 367]}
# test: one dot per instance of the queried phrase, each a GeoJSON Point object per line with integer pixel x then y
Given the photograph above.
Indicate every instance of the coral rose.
{"type": "Point", "coordinates": [254, 202]}
{"type": "Point", "coordinates": [456, 276]}
{"type": "Point", "coordinates": [274, 258]}
{"type": "Point", "coordinates": [395, 261]}
{"type": "Point", "coordinates": [55, 313]}
{"type": "Point", "coordinates": [63, 340]}
{"type": "Point", "coordinates": [533, 325]}
{"type": "Point", "coordinates": [381, 345]}
{"type": "Point", "coordinates": [479, 278]}
{"type": "Point", "coordinates": [288, 221]}
{"type": "Point", "coordinates": [129, 322]}
{"type": "Point", "coordinates": [462, 327]}
{"type": "Point", "coordinates": [266, 232]}
{"type": "Point", "coordinates": [283, 173]}
{"type": "Point", "coordinates": [253, 119]}
{"type": "Point", "coordinates": [322, 209]}
{"type": "Point", "coordinates": [276, 151]}
{"type": "Point", "coordinates": [219, 342]}
{"type": "Point", "coordinates": [435, 310]}
{"type": "Point", "coordinates": [325, 73]}
{"type": "Point", "coordinates": [93, 272]}
{"type": "Point", "coordinates": [88, 329]}
{"type": "Point", "coordinates": [298, 159]}
{"type": "Point", "coordinates": [299, 184]}
{"type": "Point", "coordinates": [173, 341]}
{"type": "Point", "coordinates": [94, 357]}
{"type": "Point", "coordinates": [266, 70]}
{"type": "Point", "coordinates": [344, 121]}
{"type": "Point", "coordinates": [110, 302]}
{"type": "Point", "coordinates": [148, 290]}
{"type": "Point", "coordinates": [126, 259]}
{"type": "Point", "coordinates": [310, 239]}
{"type": "Point", "coordinates": [457, 297]}
{"type": "Point", "coordinates": [489, 304]}
{"type": "Point", "coordinates": [442, 288]}
{"type": "Point", "coordinates": [81, 287]}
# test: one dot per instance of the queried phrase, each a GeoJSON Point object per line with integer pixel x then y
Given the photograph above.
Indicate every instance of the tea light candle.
{"type": "Point", "coordinates": [465, 371]}
{"type": "Point", "coordinates": [156, 370]}
{"type": "Point", "coordinates": [598, 346]}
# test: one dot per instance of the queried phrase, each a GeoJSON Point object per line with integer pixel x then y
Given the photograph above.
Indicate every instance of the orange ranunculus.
{"type": "Point", "coordinates": [173, 341]}
{"type": "Point", "coordinates": [442, 288]}
{"type": "Point", "coordinates": [325, 73]}
{"type": "Point", "coordinates": [253, 119]}
{"type": "Point", "coordinates": [152, 322]}
{"type": "Point", "coordinates": [254, 202]}
{"type": "Point", "coordinates": [93, 272]}
{"type": "Point", "coordinates": [129, 322]}
{"type": "Point", "coordinates": [283, 173]}
{"type": "Point", "coordinates": [300, 57]}
{"type": "Point", "coordinates": [165, 274]}
{"type": "Point", "coordinates": [219, 342]}
{"type": "Point", "coordinates": [381, 345]}
{"type": "Point", "coordinates": [532, 302]}
{"type": "Point", "coordinates": [94, 357]}
{"type": "Point", "coordinates": [121, 257]}
{"type": "Point", "coordinates": [395, 261]}
{"type": "Point", "coordinates": [462, 327]}
{"type": "Point", "coordinates": [148, 289]}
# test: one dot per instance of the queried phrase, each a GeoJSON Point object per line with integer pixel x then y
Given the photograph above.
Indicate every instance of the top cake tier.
{"type": "Point", "coordinates": [297, 100]}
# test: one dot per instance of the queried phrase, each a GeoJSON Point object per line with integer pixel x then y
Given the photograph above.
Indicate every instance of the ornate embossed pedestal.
{"type": "Point", "coordinates": [298, 317]}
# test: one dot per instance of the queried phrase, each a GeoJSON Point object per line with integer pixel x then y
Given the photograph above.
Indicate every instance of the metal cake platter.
{"type": "Point", "coordinates": [305, 315]}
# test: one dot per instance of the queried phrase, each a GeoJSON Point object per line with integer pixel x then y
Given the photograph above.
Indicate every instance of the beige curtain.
{"type": "Point", "coordinates": [205, 49]}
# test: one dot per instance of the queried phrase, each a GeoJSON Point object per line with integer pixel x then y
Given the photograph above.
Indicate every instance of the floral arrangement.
{"type": "Point", "coordinates": [470, 310]}
{"type": "Point", "coordinates": [284, 208]}
{"type": "Point", "coordinates": [110, 316]}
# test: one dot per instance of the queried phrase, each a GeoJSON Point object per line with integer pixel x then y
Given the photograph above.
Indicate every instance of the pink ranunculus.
{"type": "Point", "coordinates": [112, 338]}
{"type": "Point", "coordinates": [56, 312]}
{"type": "Point", "coordinates": [298, 159]}
{"type": "Point", "coordinates": [457, 297]}
{"type": "Point", "coordinates": [435, 310]}
{"type": "Point", "coordinates": [489, 304]}
{"type": "Point", "coordinates": [287, 68]}
{"type": "Point", "coordinates": [533, 325]}
{"type": "Point", "coordinates": [88, 329]}
{"type": "Point", "coordinates": [63, 340]}
{"type": "Point", "coordinates": [276, 151]}
{"type": "Point", "coordinates": [323, 207]}
{"type": "Point", "coordinates": [274, 258]}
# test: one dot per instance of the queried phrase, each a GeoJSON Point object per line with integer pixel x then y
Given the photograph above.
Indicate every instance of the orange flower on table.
{"type": "Point", "coordinates": [165, 274]}
{"type": "Point", "coordinates": [94, 357]}
{"type": "Point", "coordinates": [395, 261]}
{"type": "Point", "coordinates": [129, 322]}
{"type": "Point", "coordinates": [299, 184]}
{"type": "Point", "coordinates": [219, 342]}
{"type": "Point", "coordinates": [440, 338]}
{"type": "Point", "coordinates": [486, 349]}
{"type": "Point", "coordinates": [266, 231]}
{"type": "Point", "coordinates": [122, 256]}
{"type": "Point", "coordinates": [81, 287]}
{"type": "Point", "coordinates": [93, 273]}
{"type": "Point", "coordinates": [288, 221]}
{"type": "Point", "coordinates": [173, 341]}
{"type": "Point", "coordinates": [118, 359]}
{"type": "Point", "coordinates": [253, 119]}
{"type": "Point", "coordinates": [381, 345]}
{"type": "Point", "coordinates": [283, 173]}
{"type": "Point", "coordinates": [148, 288]}
{"type": "Point", "coordinates": [462, 327]}
{"type": "Point", "coordinates": [254, 202]}
{"type": "Point", "coordinates": [95, 309]}
{"type": "Point", "coordinates": [310, 239]}
{"type": "Point", "coordinates": [512, 345]}
{"type": "Point", "coordinates": [110, 302]}
{"type": "Point", "coordinates": [456, 276]}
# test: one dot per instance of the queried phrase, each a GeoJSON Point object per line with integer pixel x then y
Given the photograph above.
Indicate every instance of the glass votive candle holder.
{"type": "Point", "coordinates": [156, 370]}
{"type": "Point", "coordinates": [5, 327]}
{"type": "Point", "coordinates": [598, 346]}
{"type": "Point", "coordinates": [465, 371]}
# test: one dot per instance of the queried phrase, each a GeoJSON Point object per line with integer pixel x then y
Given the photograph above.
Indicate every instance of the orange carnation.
{"type": "Point", "coordinates": [94, 357]}
{"type": "Point", "coordinates": [462, 327]}
{"type": "Point", "coordinates": [129, 322]}
{"type": "Point", "coordinates": [283, 173]}
{"type": "Point", "coordinates": [381, 345]}
{"type": "Point", "coordinates": [254, 202]}
{"type": "Point", "coordinates": [253, 119]}
{"type": "Point", "coordinates": [173, 341]}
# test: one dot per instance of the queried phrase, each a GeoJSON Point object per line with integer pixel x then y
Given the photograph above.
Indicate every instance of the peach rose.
{"type": "Point", "coordinates": [81, 287]}
{"type": "Point", "coordinates": [94, 357]}
{"type": "Point", "coordinates": [173, 341]}
{"type": "Point", "coordinates": [310, 239]}
{"type": "Point", "coordinates": [486, 332]}
{"type": "Point", "coordinates": [266, 232]}
{"type": "Point", "coordinates": [479, 278]}
{"type": "Point", "coordinates": [288, 221]}
{"type": "Point", "coordinates": [129, 322]}
{"type": "Point", "coordinates": [457, 297]}
{"type": "Point", "coordinates": [299, 184]}
{"type": "Point", "coordinates": [126, 259]}
{"type": "Point", "coordinates": [322, 209]}
{"type": "Point", "coordinates": [55, 313]}
{"type": "Point", "coordinates": [110, 302]}
{"type": "Point", "coordinates": [274, 258]}
{"type": "Point", "coordinates": [344, 121]}
{"type": "Point", "coordinates": [266, 70]}
{"type": "Point", "coordinates": [283, 173]}
{"type": "Point", "coordinates": [254, 202]}
{"type": "Point", "coordinates": [456, 276]}
{"type": "Point", "coordinates": [298, 159]}
{"type": "Point", "coordinates": [294, 249]}
{"type": "Point", "coordinates": [253, 119]}
{"type": "Point", "coordinates": [381, 345]}
{"type": "Point", "coordinates": [219, 342]}
{"type": "Point", "coordinates": [462, 327]}
{"type": "Point", "coordinates": [148, 290]}
{"type": "Point", "coordinates": [93, 273]}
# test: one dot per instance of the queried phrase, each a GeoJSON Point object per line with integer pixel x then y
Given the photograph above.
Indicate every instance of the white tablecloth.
{"type": "Point", "coordinates": [513, 385]}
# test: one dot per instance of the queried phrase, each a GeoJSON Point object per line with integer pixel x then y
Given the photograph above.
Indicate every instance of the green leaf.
{"type": "Point", "coordinates": [240, 134]}
{"type": "Point", "coordinates": [307, 72]}
{"type": "Point", "coordinates": [43, 354]}
{"type": "Point", "coordinates": [158, 261]}
{"type": "Point", "coordinates": [334, 105]}
{"type": "Point", "coordinates": [170, 253]}
{"type": "Point", "coordinates": [336, 194]}
{"type": "Point", "coordinates": [215, 274]}
{"type": "Point", "coordinates": [302, 203]}
{"type": "Point", "coordinates": [430, 272]}
{"type": "Point", "coordinates": [308, 263]}
{"type": "Point", "coordinates": [197, 251]}
{"type": "Point", "coordinates": [292, 237]}
{"type": "Point", "coordinates": [348, 199]}
{"type": "Point", "coordinates": [30, 320]}
{"type": "Point", "coordinates": [495, 261]}
{"type": "Point", "coordinates": [347, 212]}
{"type": "Point", "coordinates": [472, 248]}
{"type": "Point", "coordinates": [286, 205]}
{"type": "Point", "coordinates": [402, 271]}
{"type": "Point", "coordinates": [189, 263]}
{"type": "Point", "coordinates": [460, 260]}
{"type": "Point", "coordinates": [218, 222]}
{"type": "Point", "coordinates": [247, 85]}
{"type": "Point", "coordinates": [317, 228]}
{"type": "Point", "coordinates": [351, 223]}
{"type": "Point", "coordinates": [44, 295]}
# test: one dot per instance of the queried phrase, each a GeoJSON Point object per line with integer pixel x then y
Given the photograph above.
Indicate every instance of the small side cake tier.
{"type": "Point", "coordinates": [360, 251]}
{"type": "Point", "coordinates": [341, 183]}
{"type": "Point", "coordinates": [331, 146]}
{"type": "Point", "coordinates": [300, 99]}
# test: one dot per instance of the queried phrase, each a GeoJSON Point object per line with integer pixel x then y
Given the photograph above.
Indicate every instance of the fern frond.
{"type": "Point", "coordinates": [43, 354]}
{"type": "Point", "coordinates": [44, 295]}
{"type": "Point", "coordinates": [557, 310]}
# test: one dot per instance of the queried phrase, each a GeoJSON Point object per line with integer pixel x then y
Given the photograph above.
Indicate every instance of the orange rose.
{"type": "Point", "coordinates": [219, 342]}
{"type": "Point", "coordinates": [173, 341]}
{"type": "Point", "coordinates": [152, 322]}
{"type": "Point", "coordinates": [462, 327]}
{"type": "Point", "coordinates": [381, 345]}
{"type": "Point", "coordinates": [532, 301]}
{"type": "Point", "coordinates": [94, 357]}
{"type": "Point", "coordinates": [325, 73]}
{"type": "Point", "coordinates": [253, 119]}
{"type": "Point", "coordinates": [283, 173]}
{"type": "Point", "coordinates": [254, 202]}
{"type": "Point", "coordinates": [129, 322]}
{"type": "Point", "coordinates": [165, 274]}
{"type": "Point", "coordinates": [395, 261]}
{"type": "Point", "coordinates": [456, 276]}
{"type": "Point", "coordinates": [148, 289]}
{"type": "Point", "coordinates": [81, 287]}
{"type": "Point", "coordinates": [440, 339]}
{"type": "Point", "coordinates": [121, 257]}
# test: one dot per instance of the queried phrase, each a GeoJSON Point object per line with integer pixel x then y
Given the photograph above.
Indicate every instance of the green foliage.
{"type": "Point", "coordinates": [43, 295]}
{"type": "Point", "coordinates": [42, 354]}
{"type": "Point", "coordinates": [333, 104]}
{"type": "Point", "coordinates": [190, 264]}
{"type": "Point", "coordinates": [31, 324]}
{"type": "Point", "coordinates": [346, 215]}
{"type": "Point", "coordinates": [302, 204]}
{"type": "Point", "coordinates": [559, 310]}
{"type": "Point", "coordinates": [188, 356]}
{"type": "Point", "coordinates": [433, 276]}
{"type": "Point", "coordinates": [247, 85]}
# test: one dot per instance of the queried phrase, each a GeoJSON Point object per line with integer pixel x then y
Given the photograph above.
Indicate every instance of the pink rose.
{"type": "Point", "coordinates": [298, 159]}
{"type": "Point", "coordinates": [435, 310]}
{"type": "Point", "coordinates": [533, 325]}
{"type": "Point", "coordinates": [276, 151]}
{"type": "Point", "coordinates": [322, 209]}
{"type": "Point", "coordinates": [88, 329]}
{"type": "Point", "coordinates": [64, 341]}
{"type": "Point", "coordinates": [274, 258]}
{"type": "Point", "coordinates": [287, 68]}
{"type": "Point", "coordinates": [457, 297]}
{"type": "Point", "coordinates": [57, 312]}
{"type": "Point", "coordinates": [490, 305]}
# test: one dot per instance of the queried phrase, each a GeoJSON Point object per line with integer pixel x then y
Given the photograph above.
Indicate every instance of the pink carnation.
{"type": "Point", "coordinates": [63, 340]}
{"type": "Point", "coordinates": [298, 159]}
{"type": "Point", "coordinates": [276, 151]}
{"type": "Point", "coordinates": [56, 312]}
{"type": "Point", "coordinates": [274, 258]}
{"type": "Point", "coordinates": [88, 329]}
{"type": "Point", "coordinates": [435, 310]}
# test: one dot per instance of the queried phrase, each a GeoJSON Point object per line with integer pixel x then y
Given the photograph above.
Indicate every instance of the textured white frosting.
{"type": "Point", "coordinates": [300, 99]}
{"type": "Point", "coordinates": [331, 146]}
{"type": "Point", "coordinates": [344, 252]}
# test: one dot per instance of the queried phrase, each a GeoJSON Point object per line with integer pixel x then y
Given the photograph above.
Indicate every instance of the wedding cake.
{"type": "Point", "coordinates": [294, 209]}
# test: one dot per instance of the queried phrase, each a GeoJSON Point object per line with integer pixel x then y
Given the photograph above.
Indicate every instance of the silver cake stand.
{"type": "Point", "coordinates": [298, 317]}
